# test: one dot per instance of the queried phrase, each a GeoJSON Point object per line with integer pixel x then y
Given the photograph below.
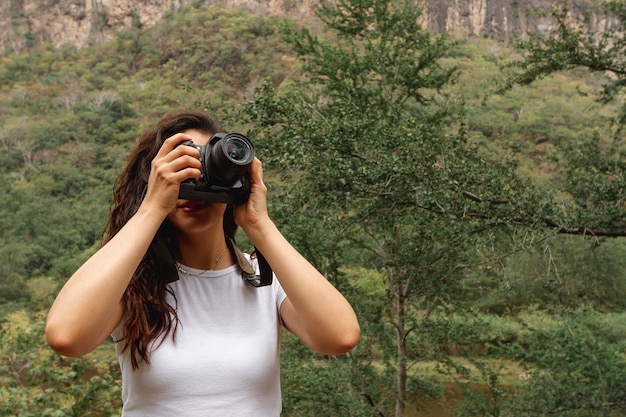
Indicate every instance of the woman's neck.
{"type": "Point", "coordinates": [205, 251]}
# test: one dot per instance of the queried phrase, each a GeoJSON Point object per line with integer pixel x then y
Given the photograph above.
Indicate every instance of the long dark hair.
{"type": "Point", "coordinates": [148, 316]}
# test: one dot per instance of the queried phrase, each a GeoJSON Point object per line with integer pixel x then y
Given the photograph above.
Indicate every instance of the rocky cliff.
{"type": "Point", "coordinates": [81, 22]}
{"type": "Point", "coordinates": [504, 19]}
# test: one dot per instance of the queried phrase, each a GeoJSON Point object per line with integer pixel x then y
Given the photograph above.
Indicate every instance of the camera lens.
{"type": "Point", "coordinates": [230, 157]}
{"type": "Point", "coordinates": [237, 149]}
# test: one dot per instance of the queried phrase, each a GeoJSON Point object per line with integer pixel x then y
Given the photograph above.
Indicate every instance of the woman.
{"type": "Point", "coordinates": [205, 343]}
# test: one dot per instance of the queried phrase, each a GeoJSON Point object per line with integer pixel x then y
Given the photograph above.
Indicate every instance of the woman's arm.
{"type": "Point", "coordinates": [314, 310]}
{"type": "Point", "coordinates": [89, 307]}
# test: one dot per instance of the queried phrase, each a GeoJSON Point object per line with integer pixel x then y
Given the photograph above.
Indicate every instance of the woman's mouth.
{"type": "Point", "coordinates": [189, 206]}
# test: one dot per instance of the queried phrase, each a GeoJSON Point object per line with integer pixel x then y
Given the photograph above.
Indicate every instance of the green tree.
{"type": "Point", "coordinates": [35, 381]}
{"type": "Point", "coordinates": [595, 167]}
{"type": "Point", "coordinates": [376, 170]}
{"type": "Point", "coordinates": [574, 372]}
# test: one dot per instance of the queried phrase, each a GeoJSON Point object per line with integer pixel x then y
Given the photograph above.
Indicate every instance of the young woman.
{"type": "Point", "coordinates": [205, 343]}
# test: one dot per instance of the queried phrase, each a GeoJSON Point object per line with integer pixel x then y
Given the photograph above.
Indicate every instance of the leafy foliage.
{"type": "Point", "coordinates": [573, 373]}
{"type": "Point", "coordinates": [430, 202]}
{"type": "Point", "coordinates": [596, 171]}
{"type": "Point", "coordinates": [36, 381]}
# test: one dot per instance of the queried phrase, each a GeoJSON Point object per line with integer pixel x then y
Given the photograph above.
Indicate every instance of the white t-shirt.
{"type": "Point", "coordinates": [225, 357]}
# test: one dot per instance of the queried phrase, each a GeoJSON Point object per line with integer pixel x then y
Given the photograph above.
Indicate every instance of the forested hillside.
{"type": "Point", "coordinates": [539, 319]}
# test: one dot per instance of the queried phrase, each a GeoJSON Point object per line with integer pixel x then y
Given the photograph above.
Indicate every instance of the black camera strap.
{"type": "Point", "coordinates": [169, 273]}
{"type": "Point", "coordinates": [247, 271]}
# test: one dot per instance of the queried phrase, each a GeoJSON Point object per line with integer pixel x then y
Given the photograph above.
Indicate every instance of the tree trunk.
{"type": "Point", "coordinates": [401, 352]}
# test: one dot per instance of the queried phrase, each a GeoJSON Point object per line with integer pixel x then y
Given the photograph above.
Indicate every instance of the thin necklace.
{"type": "Point", "coordinates": [197, 274]}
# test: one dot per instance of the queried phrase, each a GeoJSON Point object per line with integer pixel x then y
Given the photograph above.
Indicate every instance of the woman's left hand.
{"type": "Point", "coordinates": [251, 215]}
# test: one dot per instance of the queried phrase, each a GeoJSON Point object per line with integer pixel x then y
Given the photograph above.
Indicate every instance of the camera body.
{"type": "Point", "coordinates": [224, 174]}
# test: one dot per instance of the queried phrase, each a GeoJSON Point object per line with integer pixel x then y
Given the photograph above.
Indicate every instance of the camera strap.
{"type": "Point", "coordinates": [169, 273]}
{"type": "Point", "coordinates": [247, 271]}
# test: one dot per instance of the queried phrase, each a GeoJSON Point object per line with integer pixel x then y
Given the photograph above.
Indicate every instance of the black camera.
{"type": "Point", "coordinates": [224, 174]}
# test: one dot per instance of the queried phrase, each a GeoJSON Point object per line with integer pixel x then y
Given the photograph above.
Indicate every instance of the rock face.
{"type": "Point", "coordinates": [82, 22]}
{"type": "Point", "coordinates": [503, 19]}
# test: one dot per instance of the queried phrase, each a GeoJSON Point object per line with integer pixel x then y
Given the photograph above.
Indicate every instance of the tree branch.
{"type": "Point", "coordinates": [581, 230]}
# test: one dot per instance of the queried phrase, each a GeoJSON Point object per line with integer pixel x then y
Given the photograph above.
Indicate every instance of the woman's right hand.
{"type": "Point", "coordinates": [172, 165]}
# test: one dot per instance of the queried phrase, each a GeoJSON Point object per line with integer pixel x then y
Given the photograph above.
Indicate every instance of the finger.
{"type": "Point", "coordinates": [175, 140]}
{"type": "Point", "coordinates": [181, 156]}
{"type": "Point", "coordinates": [256, 171]}
{"type": "Point", "coordinates": [172, 147]}
{"type": "Point", "coordinates": [177, 165]}
{"type": "Point", "coordinates": [185, 174]}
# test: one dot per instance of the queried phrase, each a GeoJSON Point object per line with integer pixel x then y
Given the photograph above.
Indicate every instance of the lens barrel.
{"type": "Point", "coordinates": [230, 157]}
